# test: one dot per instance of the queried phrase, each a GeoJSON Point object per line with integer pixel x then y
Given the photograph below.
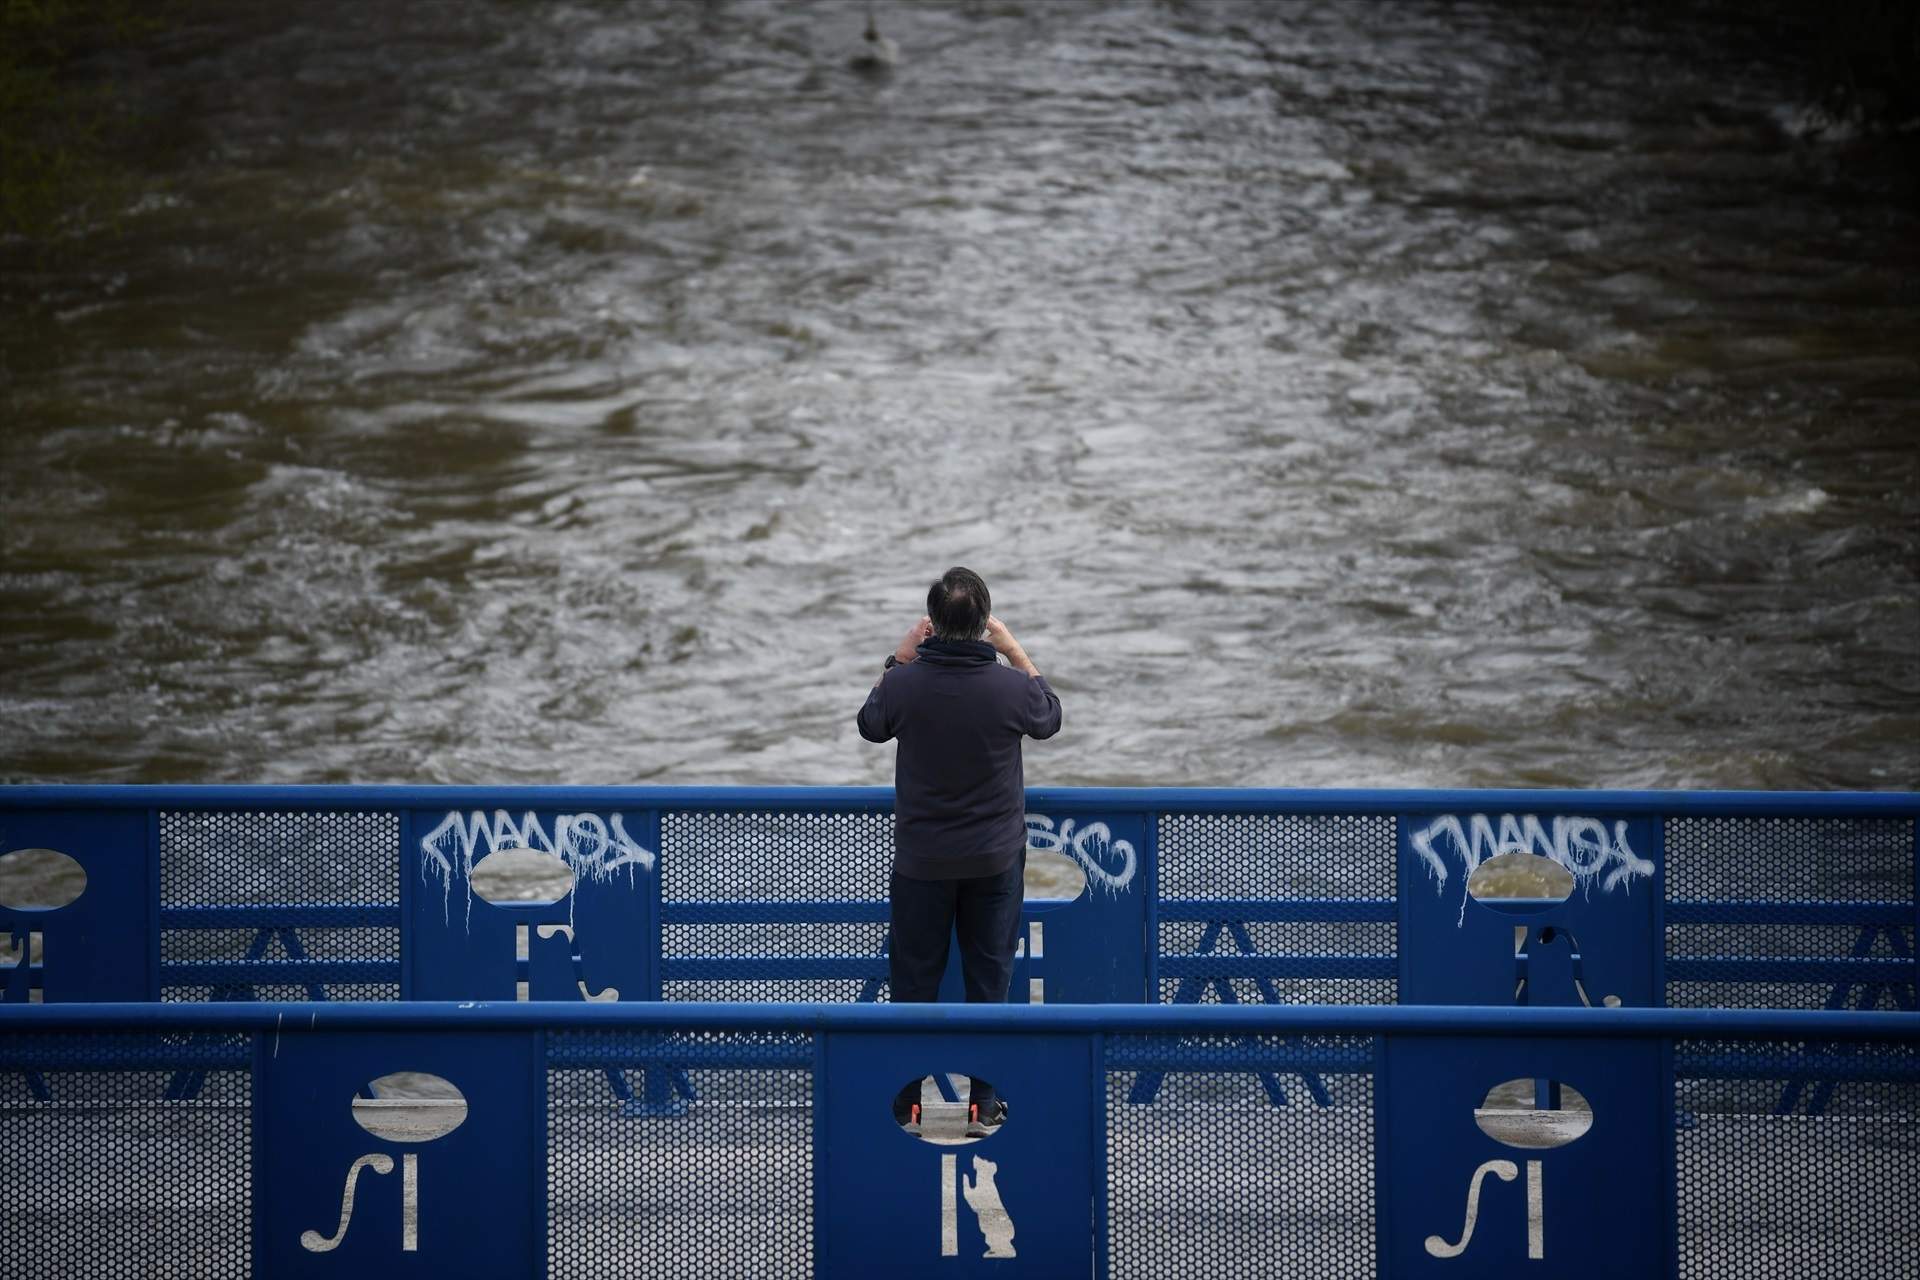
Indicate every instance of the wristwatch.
{"type": "Point", "coordinates": [893, 661]}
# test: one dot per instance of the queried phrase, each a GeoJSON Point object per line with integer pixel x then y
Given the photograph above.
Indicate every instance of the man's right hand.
{"type": "Point", "coordinates": [1002, 639]}
{"type": "Point", "coordinates": [910, 643]}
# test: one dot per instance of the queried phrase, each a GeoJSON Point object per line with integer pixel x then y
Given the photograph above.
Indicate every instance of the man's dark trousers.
{"type": "Point", "coordinates": [984, 911]}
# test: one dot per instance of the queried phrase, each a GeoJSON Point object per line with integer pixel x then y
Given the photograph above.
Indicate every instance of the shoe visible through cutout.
{"type": "Point", "coordinates": [984, 1118]}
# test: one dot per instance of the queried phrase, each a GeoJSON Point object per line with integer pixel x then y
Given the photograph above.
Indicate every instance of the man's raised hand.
{"type": "Point", "coordinates": [1002, 639]}
{"type": "Point", "coordinates": [910, 643]}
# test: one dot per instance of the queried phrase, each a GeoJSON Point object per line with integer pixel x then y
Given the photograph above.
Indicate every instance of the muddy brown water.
{"type": "Point", "coordinates": [1332, 393]}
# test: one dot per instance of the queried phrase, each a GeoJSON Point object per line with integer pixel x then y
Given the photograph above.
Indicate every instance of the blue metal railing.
{"type": "Point", "coordinates": [1195, 895]}
{"type": "Point", "coordinates": [1231, 1120]}
{"type": "Point", "coordinates": [783, 1158]}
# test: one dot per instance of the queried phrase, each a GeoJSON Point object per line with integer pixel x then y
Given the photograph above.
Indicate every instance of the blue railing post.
{"type": "Point", "coordinates": [1150, 941]}
{"type": "Point", "coordinates": [541, 1105]}
{"type": "Point", "coordinates": [409, 862]}
{"type": "Point", "coordinates": [152, 947]}
{"type": "Point", "coordinates": [1098, 1127]}
{"type": "Point", "coordinates": [821, 1124]}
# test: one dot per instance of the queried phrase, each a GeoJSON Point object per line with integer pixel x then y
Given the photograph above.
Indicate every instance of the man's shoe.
{"type": "Point", "coordinates": [984, 1118]}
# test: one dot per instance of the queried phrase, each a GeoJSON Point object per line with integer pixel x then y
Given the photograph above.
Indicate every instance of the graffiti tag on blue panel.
{"type": "Point", "coordinates": [596, 938]}
{"type": "Point", "coordinates": [1598, 856]}
{"type": "Point", "coordinates": [1593, 947]}
{"type": "Point", "coordinates": [597, 849]}
{"type": "Point", "coordinates": [1109, 860]}
{"type": "Point", "coordinates": [1086, 948]}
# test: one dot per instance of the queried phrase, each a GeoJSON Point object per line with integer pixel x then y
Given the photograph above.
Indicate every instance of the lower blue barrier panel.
{"type": "Point", "coordinates": [1014, 1201]}
{"type": "Point", "coordinates": [1797, 1158]}
{"type": "Point", "coordinates": [1510, 1151]}
{"type": "Point", "coordinates": [575, 1140]}
{"type": "Point", "coordinates": [111, 1171]}
{"type": "Point", "coordinates": [1240, 1156]}
{"type": "Point", "coordinates": [679, 1154]}
{"type": "Point", "coordinates": [397, 1154]}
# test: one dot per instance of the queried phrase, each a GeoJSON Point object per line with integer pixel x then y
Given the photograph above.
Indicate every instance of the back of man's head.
{"type": "Point", "coordinates": [959, 604]}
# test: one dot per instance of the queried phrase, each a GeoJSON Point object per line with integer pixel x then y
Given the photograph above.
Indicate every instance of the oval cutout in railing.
{"type": "Point", "coordinates": [1520, 883]}
{"type": "Point", "coordinates": [513, 877]}
{"type": "Point", "coordinates": [1053, 877]}
{"type": "Point", "coordinates": [1511, 1115]}
{"type": "Point", "coordinates": [40, 880]}
{"type": "Point", "coordinates": [920, 1108]}
{"type": "Point", "coordinates": [410, 1106]}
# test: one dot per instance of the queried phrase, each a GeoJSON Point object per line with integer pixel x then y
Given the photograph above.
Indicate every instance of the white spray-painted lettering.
{"type": "Point", "coordinates": [1582, 845]}
{"type": "Point", "coordinates": [1092, 846]}
{"type": "Point", "coordinates": [593, 847]}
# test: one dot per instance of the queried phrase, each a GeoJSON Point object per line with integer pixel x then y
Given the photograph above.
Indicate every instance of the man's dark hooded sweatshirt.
{"type": "Point", "coordinates": [959, 805]}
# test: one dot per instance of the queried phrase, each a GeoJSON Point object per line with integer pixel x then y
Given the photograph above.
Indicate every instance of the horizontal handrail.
{"type": "Point", "coordinates": [1230, 964]}
{"type": "Point", "coordinates": [764, 912]}
{"type": "Point", "coordinates": [282, 914]}
{"type": "Point", "coordinates": [1283, 910]}
{"type": "Point", "coordinates": [1116, 1019]}
{"type": "Point", "coordinates": [1173, 800]}
{"type": "Point", "coordinates": [1791, 969]}
{"type": "Point", "coordinates": [1710, 911]}
{"type": "Point", "coordinates": [740, 968]}
{"type": "Point", "coordinates": [1819, 1062]}
{"type": "Point", "coordinates": [221, 973]}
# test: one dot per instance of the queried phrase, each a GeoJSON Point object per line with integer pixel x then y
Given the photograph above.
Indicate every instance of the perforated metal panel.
{"type": "Point", "coordinates": [1214, 857]}
{"type": "Point", "coordinates": [773, 857]}
{"type": "Point", "coordinates": [1787, 861]}
{"type": "Point", "coordinates": [107, 1177]}
{"type": "Point", "coordinates": [269, 862]}
{"type": "Point", "coordinates": [706, 1170]}
{"type": "Point", "coordinates": [1216, 1168]}
{"type": "Point", "coordinates": [766, 955]}
{"type": "Point", "coordinates": [1804, 1170]}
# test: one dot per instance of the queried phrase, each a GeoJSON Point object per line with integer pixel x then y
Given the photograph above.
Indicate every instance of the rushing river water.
{"type": "Point", "coordinates": [1332, 394]}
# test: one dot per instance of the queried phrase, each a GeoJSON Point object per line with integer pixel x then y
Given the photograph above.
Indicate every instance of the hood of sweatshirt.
{"type": "Point", "coordinates": [956, 653]}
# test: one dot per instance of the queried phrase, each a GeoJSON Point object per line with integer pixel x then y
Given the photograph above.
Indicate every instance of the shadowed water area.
{"type": "Point", "coordinates": [1332, 394]}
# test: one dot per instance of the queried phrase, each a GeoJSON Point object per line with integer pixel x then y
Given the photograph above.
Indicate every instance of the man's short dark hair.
{"type": "Point", "coordinates": [959, 604]}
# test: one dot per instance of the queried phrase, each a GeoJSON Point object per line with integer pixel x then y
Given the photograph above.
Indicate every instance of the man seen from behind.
{"type": "Point", "coordinates": [960, 826]}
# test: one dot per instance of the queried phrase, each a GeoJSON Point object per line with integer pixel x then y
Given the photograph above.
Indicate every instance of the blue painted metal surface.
{"type": "Point", "coordinates": [1195, 895]}
{"type": "Point", "coordinates": [892, 1189]}
{"type": "Point", "coordinates": [583, 946]}
{"type": "Point", "coordinates": [1533, 1203]}
{"type": "Point", "coordinates": [789, 1164]}
{"type": "Point", "coordinates": [99, 946]}
{"type": "Point", "coordinates": [413, 1199]}
{"type": "Point", "coordinates": [1600, 942]}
